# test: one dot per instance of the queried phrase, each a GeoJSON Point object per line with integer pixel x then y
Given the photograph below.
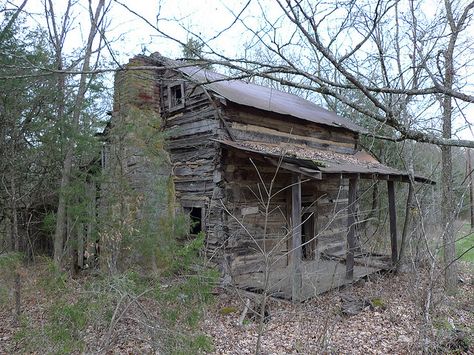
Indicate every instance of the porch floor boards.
{"type": "Point", "coordinates": [318, 276]}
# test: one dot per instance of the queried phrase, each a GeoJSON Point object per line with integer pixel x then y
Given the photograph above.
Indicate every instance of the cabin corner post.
{"type": "Point", "coordinates": [393, 221]}
{"type": "Point", "coordinates": [296, 277]}
{"type": "Point", "coordinates": [351, 232]}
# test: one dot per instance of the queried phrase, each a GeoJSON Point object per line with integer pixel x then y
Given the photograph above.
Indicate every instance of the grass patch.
{"type": "Point", "coordinates": [87, 314]}
{"type": "Point", "coordinates": [465, 241]}
{"type": "Point", "coordinates": [228, 310]}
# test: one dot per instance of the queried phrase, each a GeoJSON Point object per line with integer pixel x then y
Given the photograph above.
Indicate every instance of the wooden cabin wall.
{"type": "Point", "coordinates": [208, 176]}
{"type": "Point", "coordinates": [254, 125]}
{"type": "Point", "coordinates": [251, 230]}
{"type": "Point", "coordinates": [196, 159]}
{"type": "Point", "coordinates": [327, 200]}
{"type": "Point", "coordinates": [201, 174]}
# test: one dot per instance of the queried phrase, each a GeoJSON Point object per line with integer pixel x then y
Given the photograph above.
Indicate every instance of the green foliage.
{"type": "Point", "coordinates": [10, 261]}
{"type": "Point", "coordinates": [62, 334]}
{"type": "Point", "coordinates": [442, 323]}
{"type": "Point", "coordinates": [193, 48]}
{"type": "Point", "coordinates": [49, 223]}
{"type": "Point", "coordinates": [247, 321]}
{"type": "Point", "coordinates": [53, 281]}
{"type": "Point", "coordinates": [66, 316]}
{"type": "Point", "coordinates": [194, 344]}
{"type": "Point", "coordinates": [35, 134]}
{"type": "Point", "coordinates": [185, 298]}
{"type": "Point", "coordinates": [96, 302]}
{"type": "Point", "coordinates": [141, 226]}
{"type": "Point", "coordinates": [378, 303]}
{"type": "Point", "coordinates": [186, 255]}
{"type": "Point", "coordinates": [4, 294]}
{"type": "Point", "coordinates": [66, 322]}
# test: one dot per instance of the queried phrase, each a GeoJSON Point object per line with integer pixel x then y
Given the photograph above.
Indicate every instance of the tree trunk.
{"type": "Point", "coordinates": [16, 319]}
{"type": "Point", "coordinates": [447, 204]}
{"type": "Point", "coordinates": [406, 228]}
{"type": "Point", "coordinates": [15, 234]}
{"type": "Point", "coordinates": [447, 216]}
{"type": "Point", "coordinates": [68, 159]}
{"type": "Point", "coordinates": [470, 176]}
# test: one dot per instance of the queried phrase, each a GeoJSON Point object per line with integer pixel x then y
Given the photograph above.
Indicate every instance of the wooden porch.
{"type": "Point", "coordinates": [302, 279]}
{"type": "Point", "coordinates": [317, 276]}
{"type": "Point", "coordinates": [302, 267]}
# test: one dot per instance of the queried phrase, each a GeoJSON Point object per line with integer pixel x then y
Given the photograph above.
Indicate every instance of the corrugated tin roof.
{"type": "Point", "coordinates": [325, 161]}
{"type": "Point", "coordinates": [266, 98]}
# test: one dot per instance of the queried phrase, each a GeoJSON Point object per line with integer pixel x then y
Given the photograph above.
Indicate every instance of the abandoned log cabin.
{"type": "Point", "coordinates": [269, 177]}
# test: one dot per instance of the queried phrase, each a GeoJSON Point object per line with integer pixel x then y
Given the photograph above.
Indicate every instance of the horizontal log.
{"type": "Point", "coordinates": [289, 125]}
{"type": "Point", "coordinates": [253, 132]}
{"type": "Point", "coordinates": [192, 128]}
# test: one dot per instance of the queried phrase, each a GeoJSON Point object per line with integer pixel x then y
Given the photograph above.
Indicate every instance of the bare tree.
{"type": "Point", "coordinates": [58, 34]}
{"type": "Point", "coordinates": [457, 23]}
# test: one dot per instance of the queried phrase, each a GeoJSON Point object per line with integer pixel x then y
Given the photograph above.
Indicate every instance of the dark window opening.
{"type": "Point", "coordinates": [195, 216]}
{"type": "Point", "coordinates": [308, 241]}
{"type": "Point", "coordinates": [176, 96]}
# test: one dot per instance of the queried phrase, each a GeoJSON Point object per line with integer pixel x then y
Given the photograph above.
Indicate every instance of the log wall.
{"type": "Point", "coordinates": [250, 124]}
{"type": "Point", "coordinates": [254, 230]}
{"type": "Point", "coordinates": [195, 156]}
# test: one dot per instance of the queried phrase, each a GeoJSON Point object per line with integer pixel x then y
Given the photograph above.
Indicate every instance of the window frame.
{"type": "Point", "coordinates": [172, 105]}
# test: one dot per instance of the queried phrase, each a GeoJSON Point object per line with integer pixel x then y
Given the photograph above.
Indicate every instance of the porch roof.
{"type": "Point", "coordinates": [310, 161]}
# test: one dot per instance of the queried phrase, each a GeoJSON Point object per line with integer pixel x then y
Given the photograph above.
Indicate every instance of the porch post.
{"type": "Point", "coordinates": [351, 242]}
{"type": "Point", "coordinates": [296, 279]}
{"type": "Point", "coordinates": [393, 221]}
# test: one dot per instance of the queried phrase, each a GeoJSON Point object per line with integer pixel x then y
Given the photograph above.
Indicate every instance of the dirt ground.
{"type": "Point", "coordinates": [396, 324]}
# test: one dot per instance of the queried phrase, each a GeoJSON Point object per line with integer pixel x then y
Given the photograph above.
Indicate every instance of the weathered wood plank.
{"type": "Point", "coordinates": [296, 279]}
{"type": "Point", "coordinates": [393, 220]}
{"type": "Point", "coordinates": [197, 168]}
{"type": "Point", "coordinates": [351, 237]}
{"type": "Point", "coordinates": [289, 125]}
{"type": "Point", "coordinates": [194, 127]}
{"type": "Point", "coordinates": [251, 130]}
{"type": "Point", "coordinates": [195, 141]}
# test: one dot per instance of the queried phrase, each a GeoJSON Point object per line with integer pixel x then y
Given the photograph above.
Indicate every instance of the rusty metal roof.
{"type": "Point", "coordinates": [268, 99]}
{"type": "Point", "coordinates": [327, 162]}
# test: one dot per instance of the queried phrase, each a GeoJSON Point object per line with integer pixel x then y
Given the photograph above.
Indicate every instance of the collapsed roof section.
{"type": "Point", "coordinates": [315, 162]}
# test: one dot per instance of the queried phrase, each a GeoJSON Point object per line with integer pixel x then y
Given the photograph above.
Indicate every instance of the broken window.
{"type": "Point", "coordinates": [176, 96]}
{"type": "Point", "coordinates": [196, 219]}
